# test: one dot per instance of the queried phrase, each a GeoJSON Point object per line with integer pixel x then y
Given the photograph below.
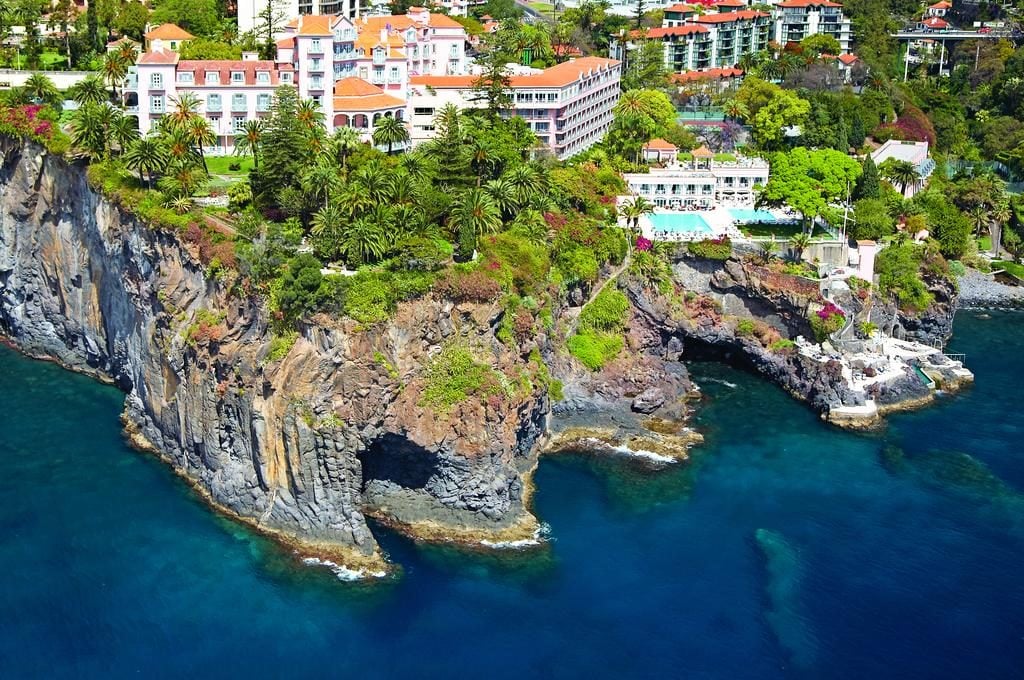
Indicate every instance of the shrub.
{"type": "Point", "coordinates": [594, 350]}
{"type": "Point", "coordinates": [555, 390]}
{"type": "Point", "coordinates": [711, 249]}
{"type": "Point", "coordinates": [471, 286]}
{"type": "Point", "coordinates": [783, 346]}
{"type": "Point", "coordinates": [957, 268]}
{"type": "Point", "coordinates": [368, 301]}
{"type": "Point", "coordinates": [745, 328]}
{"type": "Point", "coordinates": [607, 311]}
{"type": "Point", "coordinates": [827, 321]}
{"type": "Point", "coordinates": [899, 274]}
{"type": "Point", "coordinates": [520, 266]}
{"type": "Point", "coordinates": [453, 376]}
{"type": "Point", "coordinates": [280, 345]}
{"type": "Point", "coordinates": [234, 166]}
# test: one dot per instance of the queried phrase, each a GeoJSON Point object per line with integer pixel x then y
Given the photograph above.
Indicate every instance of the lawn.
{"type": "Point", "coordinates": [782, 232]}
{"type": "Point", "coordinates": [542, 7]}
{"type": "Point", "coordinates": [48, 60]}
{"type": "Point", "coordinates": [985, 244]}
{"type": "Point", "coordinates": [1010, 267]}
{"type": "Point", "coordinates": [219, 165]}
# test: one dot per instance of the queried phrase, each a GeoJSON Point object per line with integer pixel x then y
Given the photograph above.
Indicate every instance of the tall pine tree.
{"type": "Point", "coordinates": [867, 184]}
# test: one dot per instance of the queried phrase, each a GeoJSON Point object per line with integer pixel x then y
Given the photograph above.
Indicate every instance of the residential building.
{"type": "Point", "coordinates": [166, 37]}
{"type": "Point", "coordinates": [660, 151]}
{"type": "Point", "coordinates": [696, 41]}
{"type": "Point", "coordinates": [700, 182]}
{"type": "Point", "coordinates": [915, 153]}
{"type": "Point", "coordinates": [249, 10]}
{"type": "Point", "coordinates": [939, 9]}
{"type": "Point", "coordinates": [568, 106]}
{"type": "Point", "coordinates": [360, 105]}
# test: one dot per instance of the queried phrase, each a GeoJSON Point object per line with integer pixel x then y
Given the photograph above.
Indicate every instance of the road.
{"type": "Point", "coordinates": [532, 15]}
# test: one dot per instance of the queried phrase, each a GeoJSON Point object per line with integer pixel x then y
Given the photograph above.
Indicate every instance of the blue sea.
{"type": "Point", "coordinates": [785, 549]}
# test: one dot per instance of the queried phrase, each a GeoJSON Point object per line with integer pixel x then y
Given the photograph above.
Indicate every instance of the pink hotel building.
{"type": "Point", "coordinates": [360, 71]}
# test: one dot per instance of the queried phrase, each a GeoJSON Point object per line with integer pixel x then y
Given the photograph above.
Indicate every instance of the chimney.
{"type": "Point", "coordinates": [250, 56]}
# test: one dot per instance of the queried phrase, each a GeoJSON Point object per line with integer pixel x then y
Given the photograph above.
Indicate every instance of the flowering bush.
{"type": "Point", "coordinates": [712, 249]}
{"type": "Point", "coordinates": [30, 120]}
{"type": "Point", "coordinates": [643, 244]}
{"type": "Point", "coordinates": [827, 321]}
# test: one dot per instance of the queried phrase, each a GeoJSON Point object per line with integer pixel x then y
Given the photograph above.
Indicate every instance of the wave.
{"type": "Point", "coordinates": [632, 453]}
{"type": "Point", "coordinates": [539, 536]}
{"type": "Point", "coordinates": [728, 384]}
{"type": "Point", "coordinates": [342, 572]}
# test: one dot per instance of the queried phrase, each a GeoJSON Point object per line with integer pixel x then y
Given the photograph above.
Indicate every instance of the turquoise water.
{"type": "Point", "coordinates": [748, 215]}
{"type": "Point", "coordinates": [785, 550]}
{"type": "Point", "coordinates": [679, 223]}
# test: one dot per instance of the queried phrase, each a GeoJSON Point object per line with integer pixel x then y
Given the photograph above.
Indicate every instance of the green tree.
{"type": "Point", "coordinates": [88, 129]}
{"type": "Point", "coordinates": [90, 90]}
{"type": "Point", "coordinates": [282, 147]}
{"type": "Point", "coordinates": [131, 19]}
{"type": "Point", "coordinates": [364, 240]}
{"type": "Point", "coordinates": [203, 48]}
{"type": "Point", "coordinates": [476, 212]}
{"type": "Point", "coordinates": [808, 181]}
{"type": "Point", "coordinates": [872, 220]}
{"type": "Point", "coordinates": [867, 184]}
{"type": "Point", "coordinates": [146, 155]}
{"type": "Point", "coordinates": [201, 135]}
{"type": "Point", "coordinates": [390, 131]}
{"type": "Point", "coordinates": [115, 70]}
{"type": "Point", "coordinates": [123, 130]}
{"type": "Point", "coordinates": [640, 115]}
{"type": "Point", "coordinates": [41, 89]}
{"type": "Point", "coordinates": [300, 288]}
{"type": "Point", "coordinates": [783, 110]}
{"type": "Point", "coordinates": [199, 17]}
{"type": "Point", "coordinates": [901, 173]}
{"type": "Point", "coordinates": [342, 143]}
{"type": "Point", "coordinates": [820, 44]}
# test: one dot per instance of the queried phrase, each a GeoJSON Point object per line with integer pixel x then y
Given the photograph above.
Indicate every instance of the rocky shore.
{"type": "Point", "coordinates": [982, 290]}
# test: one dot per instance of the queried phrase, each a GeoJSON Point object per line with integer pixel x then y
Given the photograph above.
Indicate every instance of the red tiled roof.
{"type": "Point", "coordinates": [315, 24]}
{"type": "Point", "coordinates": [730, 3]}
{"type": "Point", "coordinates": [935, 22]}
{"type": "Point", "coordinates": [941, 5]}
{"type": "Point", "coordinates": [659, 144]}
{"type": "Point", "coordinates": [158, 57]}
{"type": "Point", "coordinates": [662, 31]}
{"type": "Point", "coordinates": [286, 43]}
{"type": "Point", "coordinates": [707, 74]}
{"type": "Point", "coordinates": [702, 152]}
{"type": "Point", "coordinates": [726, 17]}
{"type": "Point", "coordinates": [224, 67]}
{"type": "Point", "coordinates": [848, 58]}
{"type": "Point", "coordinates": [169, 32]}
{"type": "Point", "coordinates": [680, 7]}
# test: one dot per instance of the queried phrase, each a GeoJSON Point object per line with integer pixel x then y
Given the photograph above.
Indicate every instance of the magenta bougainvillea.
{"type": "Point", "coordinates": [830, 310]}
{"type": "Point", "coordinates": [30, 120]}
{"type": "Point", "coordinates": [643, 244]}
{"type": "Point", "coordinates": [827, 321]}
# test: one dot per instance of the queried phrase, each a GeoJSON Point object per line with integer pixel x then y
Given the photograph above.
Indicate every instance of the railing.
{"type": "Point", "coordinates": [962, 358]}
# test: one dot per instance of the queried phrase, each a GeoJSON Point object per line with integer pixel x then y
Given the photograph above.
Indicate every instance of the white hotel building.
{"type": "Point", "coordinates": [700, 182]}
{"type": "Point", "coordinates": [568, 106]}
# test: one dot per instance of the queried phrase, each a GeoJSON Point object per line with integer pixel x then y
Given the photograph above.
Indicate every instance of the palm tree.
{"type": "Point", "coordinates": [375, 180]}
{"type": "Point", "coordinates": [201, 134]}
{"type": "Point", "coordinates": [902, 173]}
{"type": "Point", "coordinates": [319, 180]}
{"type": "Point", "coordinates": [533, 227]}
{"type": "Point", "coordinates": [475, 212]}
{"type": "Point", "coordinates": [146, 155]}
{"type": "Point", "coordinates": [480, 157]}
{"type": "Point", "coordinates": [248, 139]}
{"type": "Point", "coordinates": [182, 181]}
{"type": "Point", "coordinates": [115, 69]}
{"type": "Point", "coordinates": [344, 141]}
{"type": "Point", "coordinates": [526, 182]}
{"type": "Point", "coordinates": [88, 91]}
{"type": "Point", "coordinates": [41, 89]}
{"type": "Point", "coordinates": [354, 199]}
{"type": "Point", "coordinates": [88, 129]}
{"type": "Point", "coordinates": [735, 109]}
{"type": "Point", "coordinates": [123, 130]}
{"type": "Point", "coordinates": [180, 205]}
{"type": "Point", "coordinates": [767, 250]}
{"type": "Point", "coordinates": [417, 165]}
{"type": "Point", "coordinates": [390, 131]}
{"type": "Point", "coordinates": [309, 114]}
{"type": "Point", "coordinates": [180, 151]}
{"type": "Point", "coordinates": [999, 216]}
{"type": "Point", "coordinates": [327, 224]}
{"type": "Point", "coordinates": [502, 193]}
{"type": "Point", "coordinates": [186, 106]}
{"type": "Point", "coordinates": [635, 209]}
{"type": "Point", "coordinates": [799, 243]}
{"type": "Point", "coordinates": [363, 240]}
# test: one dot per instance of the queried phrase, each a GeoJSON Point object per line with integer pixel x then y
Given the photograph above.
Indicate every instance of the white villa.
{"type": "Point", "coordinates": [915, 153]}
{"type": "Point", "coordinates": [700, 182]}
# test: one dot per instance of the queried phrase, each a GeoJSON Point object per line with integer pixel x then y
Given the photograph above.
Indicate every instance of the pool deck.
{"type": "Point", "coordinates": [720, 219]}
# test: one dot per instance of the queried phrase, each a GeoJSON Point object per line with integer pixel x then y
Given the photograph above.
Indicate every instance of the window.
{"type": "Point", "coordinates": [393, 76]}
{"type": "Point", "coordinates": [314, 45]}
{"type": "Point", "coordinates": [542, 127]}
{"type": "Point", "coordinates": [286, 77]}
{"type": "Point", "coordinates": [213, 103]}
{"type": "Point", "coordinates": [317, 100]}
{"type": "Point", "coordinates": [174, 45]}
{"type": "Point", "coordinates": [156, 81]}
{"type": "Point", "coordinates": [238, 103]}
{"type": "Point", "coordinates": [263, 102]}
{"type": "Point", "coordinates": [423, 111]}
{"type": "Point", "coordinates": [378, 75]}
{"type": "Point", "coordinates": [378, 56]}
{"type": "Point", "coordinates": [454, 51]}
{"type": "Point", "coordinates": [316, 83]}
{"type": "Point", "coordinates": [156, 103]}
{"type": "Point", "coordinates": [237, 77]}
{"type": "Point", "coordinates": [237, 122]}
{"type": "Point", "coordinates": [315, 65]}
{"type": "Point", "coordinates": [212, 78]}
{"type": "Point", "coordinates": [262, 77]}
{"type": "Point", "coordinates": [363, 72]}
{"type": "Point", "coordinates": [186, 77]}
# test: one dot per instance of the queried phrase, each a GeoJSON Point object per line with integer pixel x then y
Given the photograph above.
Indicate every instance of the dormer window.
{"type": "Point", "coordinates": [237, 77]}
{"type": "Point", "coordinates": [262, 77]}
{"type": "Point", "coordinates": [186, 77]}
{"type": "Point", "coordinates": [286, 77]}
{"type": "Point", "coordinates": [212, 78]}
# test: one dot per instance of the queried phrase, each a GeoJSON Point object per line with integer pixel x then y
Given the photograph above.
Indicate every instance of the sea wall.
{"type": "Point", "coordinates": [303, 447]}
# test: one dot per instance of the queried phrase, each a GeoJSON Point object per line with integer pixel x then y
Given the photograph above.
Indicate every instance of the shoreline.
{"type": "Point", "coordinates": [982, 291]}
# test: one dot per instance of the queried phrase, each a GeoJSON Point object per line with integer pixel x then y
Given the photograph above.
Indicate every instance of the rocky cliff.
{"type": "Point", "coordinates": [303, 447]}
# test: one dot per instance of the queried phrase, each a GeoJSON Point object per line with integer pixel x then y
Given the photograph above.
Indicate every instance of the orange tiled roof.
{"type": "Point", "coordinates": [707, 74]}
{"type": "Point", "coordinates": [726, 17]}
{"type": "Point", "coordinates": [659, 144]}
{"type": "Point", "coordinates": [355, 94]}
{"type": "Point", "coordinates": [315, 24]}
{"type": "Point", "coordinates": [680, 7]}
{"type": "Point", "coordinates": [848, 58]}
{"type": "Point", "coordinates": [556, 76]}
{"type": "Point", "coordinates": [730, 3]}
{"type": "Point", "coordinates": [702, 152]}
{"type": "Point", "coordinates": [286, 43]}
{"type": "Point", "coordinates": [941, 5]}
{"type": "Point", "coordinates": [935, 22]}
{"type": "Point", "coordinates": [169, 32]}
{"type": "Point", "coordinates": [158, 57]}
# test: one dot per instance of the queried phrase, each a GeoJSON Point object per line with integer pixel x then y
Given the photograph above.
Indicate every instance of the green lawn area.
{"type": "Point", "coordinates": [49, 61]}
{"type": "Point", "coordinates": [219, 165]}
{"type": "Point", "coordinates": [542, 7]}
{"type": "Point", "coordinates": [1010, 267]}
{"type": "Point", "coordinates": [782, 232]}
{"type": "Point", "coordinates": [985, 244]}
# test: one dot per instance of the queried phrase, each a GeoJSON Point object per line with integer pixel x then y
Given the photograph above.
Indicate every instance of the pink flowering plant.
{"type": "Point", "coordinates": [827, 321]}
{"type": "Point", "coordinates": [33, 121]}
{"type": "Point", "coordinates": [643, 244]}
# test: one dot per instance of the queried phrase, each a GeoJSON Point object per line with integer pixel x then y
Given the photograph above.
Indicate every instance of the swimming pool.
{"type": "Point", "coordinates": [748, 215]}
{"type": "Point", "coordinates": [679, 223]}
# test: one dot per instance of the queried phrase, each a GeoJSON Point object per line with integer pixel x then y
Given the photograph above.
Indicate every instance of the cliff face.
{"type": "Point", "coordinates": [302, 447]}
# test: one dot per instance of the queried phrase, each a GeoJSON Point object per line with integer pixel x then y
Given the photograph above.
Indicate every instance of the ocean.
{"type": "Point", "coordinates": [785, 549]}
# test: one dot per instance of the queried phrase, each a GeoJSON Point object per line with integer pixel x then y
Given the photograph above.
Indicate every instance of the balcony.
{"type": "Point", "coordinates": [214, 107]}
{"type": "Point", "coordinates": [239, 107]}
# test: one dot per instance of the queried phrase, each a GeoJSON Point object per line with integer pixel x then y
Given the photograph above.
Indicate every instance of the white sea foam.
{"type": "Point", "coordinates": [633, 453]}
{"type": "Point", "coordinates": [341, 571]}
{"type": "Point", "coordinates": [539, 536]}
{"type": "Point", "coordinates": [722, 382]}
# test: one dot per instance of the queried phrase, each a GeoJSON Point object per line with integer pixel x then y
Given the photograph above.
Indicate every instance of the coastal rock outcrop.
{"type": "Point", "coordinates": [303, 446]}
